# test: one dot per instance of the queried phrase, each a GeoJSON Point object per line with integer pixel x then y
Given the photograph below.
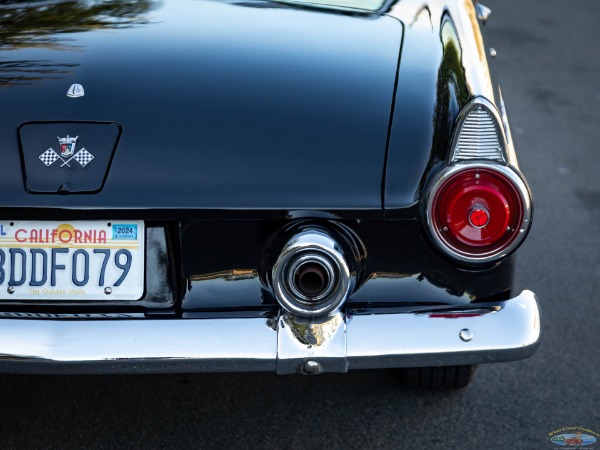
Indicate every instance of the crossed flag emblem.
{"type": "Point", "coordinates": [67, 153]}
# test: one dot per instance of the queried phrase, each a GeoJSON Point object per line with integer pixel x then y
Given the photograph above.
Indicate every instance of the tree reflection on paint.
{"type": "Point", "coordinates": [47, 24]}
{"type": "Point", "coordinates": [21, 72]}
{"type": "Point", "coordinates": [452, 91]}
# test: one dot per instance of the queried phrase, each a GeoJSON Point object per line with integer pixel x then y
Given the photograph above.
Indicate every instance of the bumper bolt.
{"type": "Point", "coordinates": [465, 334]}
{"type": "Point", "coordinates": [312, 368]}
{"type": "Point", "coordinates": [107, 290]}
{"type": "Point", "coordinates": [10, 290]}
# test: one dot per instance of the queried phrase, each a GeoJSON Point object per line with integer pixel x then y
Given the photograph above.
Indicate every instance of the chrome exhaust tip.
{"type": "Point", "coordinates": [311, 276]}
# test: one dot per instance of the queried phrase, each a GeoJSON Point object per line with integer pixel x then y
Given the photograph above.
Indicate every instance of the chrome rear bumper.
{"type": "Point", "coordinates": [505, 331]}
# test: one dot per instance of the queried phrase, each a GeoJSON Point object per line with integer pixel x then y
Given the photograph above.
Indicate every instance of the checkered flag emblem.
{"type": "Point", "coordinates": [49, 157]}
{"type": "Point", "coordinates": [83, 157]}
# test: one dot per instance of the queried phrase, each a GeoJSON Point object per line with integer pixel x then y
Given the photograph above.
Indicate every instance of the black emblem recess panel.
{"type": "Point", "coordinates": [67, 157]}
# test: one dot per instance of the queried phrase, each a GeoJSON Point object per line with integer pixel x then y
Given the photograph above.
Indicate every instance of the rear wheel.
{"type": "Point", "coordinates": [445, 377]}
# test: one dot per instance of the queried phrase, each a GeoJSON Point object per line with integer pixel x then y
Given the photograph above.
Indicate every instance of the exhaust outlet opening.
{"type": "Point", "coordinates": [311, 275]}
{"type": "Point", "coordinates": [311, 279]}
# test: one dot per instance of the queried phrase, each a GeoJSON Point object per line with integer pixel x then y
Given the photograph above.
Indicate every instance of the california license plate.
{"type": "Point", "coordinates": [81, 260]}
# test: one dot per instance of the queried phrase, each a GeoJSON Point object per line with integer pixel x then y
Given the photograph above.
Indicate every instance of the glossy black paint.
{"type": "Point", "coordinates": [248, 99]}
{"type": "Point", "coordinates": [238, 119]}
{"type": "Point", "coordinates": [219, 102]}
{"type": "Point", "coordinates": [443, 67]}
{"type": "Point", "coordinates": [226, 265]}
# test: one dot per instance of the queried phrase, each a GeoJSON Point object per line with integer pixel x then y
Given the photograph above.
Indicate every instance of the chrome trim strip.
{"type": "Point", "coordinates": [74, 316]}
{"type": "Point", "coordinates": [511, 174]}
{"type": "Point", "coordinates": [510, 148]}
{"type": "Point", "coordinates": [503, 331]}
{"type": "Point", "coordinates": [466, 129]}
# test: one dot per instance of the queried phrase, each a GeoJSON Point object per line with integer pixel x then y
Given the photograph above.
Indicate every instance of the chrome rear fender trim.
{"type": "Point", "coordinates": [507, 332]}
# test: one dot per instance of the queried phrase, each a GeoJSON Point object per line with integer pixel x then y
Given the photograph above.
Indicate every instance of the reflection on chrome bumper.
{"type": "Point", "coordinates": [506, 331]}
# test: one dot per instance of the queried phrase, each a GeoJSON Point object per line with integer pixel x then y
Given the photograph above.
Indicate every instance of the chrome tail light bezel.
{"type": "Point", "coordinates": [437, 235]}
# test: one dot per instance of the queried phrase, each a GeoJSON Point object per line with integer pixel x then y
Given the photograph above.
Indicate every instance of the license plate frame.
{"type": "Point", "coordinates": [82, 261]}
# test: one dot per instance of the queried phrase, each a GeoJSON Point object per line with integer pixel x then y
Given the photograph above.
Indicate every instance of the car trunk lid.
{"type": "Point", "coordinates": [242, 105]}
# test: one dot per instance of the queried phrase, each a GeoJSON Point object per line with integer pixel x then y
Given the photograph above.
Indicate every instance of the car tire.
{"type": "Point", "coordinates": [445, 377]}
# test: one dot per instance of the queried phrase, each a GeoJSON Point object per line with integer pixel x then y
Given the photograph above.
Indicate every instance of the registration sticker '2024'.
{"type": "Point", "coordinates": [126, 231]}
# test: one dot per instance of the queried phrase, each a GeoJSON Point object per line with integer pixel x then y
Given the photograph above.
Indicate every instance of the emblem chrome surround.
{"type": "Point", "coordinates": [75, 91]}
{"type": "Point", "coordinates": [67, 153]}
{"type": "Point", "coordinates": [67, 145]}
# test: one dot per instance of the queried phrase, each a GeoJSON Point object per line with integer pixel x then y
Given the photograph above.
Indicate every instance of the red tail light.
{"type": "Point", "coordinates": [478, 213]}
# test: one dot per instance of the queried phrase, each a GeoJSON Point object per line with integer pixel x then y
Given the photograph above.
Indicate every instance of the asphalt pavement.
{"type": "Point", "coordinates": [548, 60]}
